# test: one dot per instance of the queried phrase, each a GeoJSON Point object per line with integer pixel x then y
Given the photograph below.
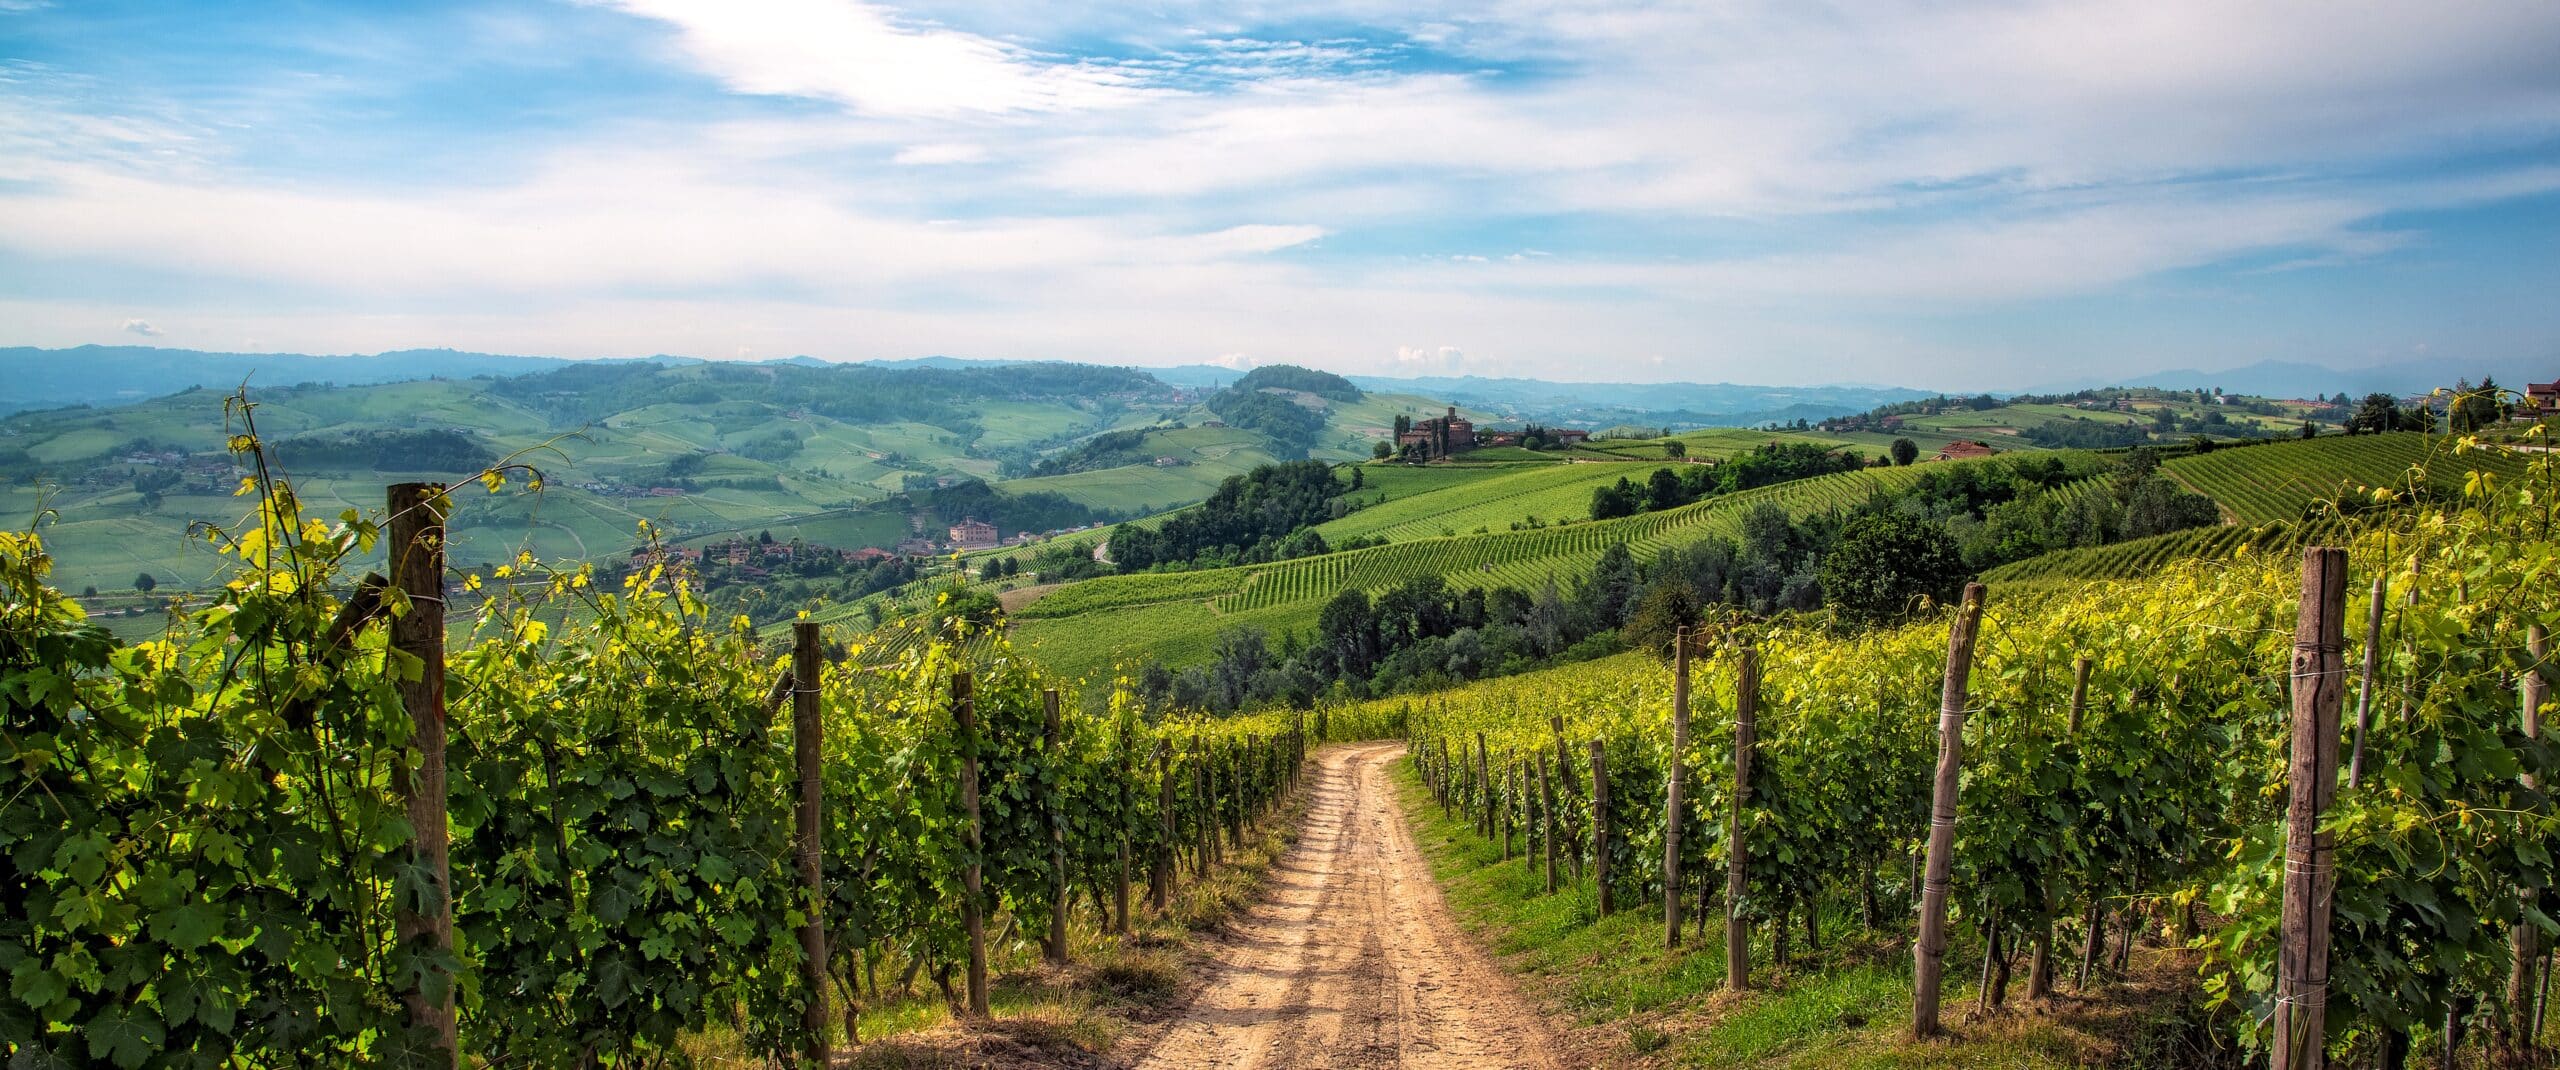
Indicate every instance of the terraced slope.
{"type": "Point", "coordinates": [1551, 492]}
{"type": "Point", "coordinates": [2141, 557]}
{"type": "Point", "coordinates": [2281, 480]}
{"type": "Point", "coordinates": [1506, 557]}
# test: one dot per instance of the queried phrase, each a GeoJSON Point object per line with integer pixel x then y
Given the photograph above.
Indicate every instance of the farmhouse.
{"type": "Point", "coordinates": [973, 534]}
{"type": "Point", "coordinates": [1441, 436]}
{"type": "Point", "coordinates": [2545, 397]}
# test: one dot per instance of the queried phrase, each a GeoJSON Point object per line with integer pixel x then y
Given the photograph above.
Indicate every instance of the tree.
{"type": "Point", "coordinates": [1620, 499]}
{"type": "Point", "coordinates": [2476, 409]}
{"type": "Point", "coordinates": [1669, 606]}
{"type": "Point", "coordinates": [1905, 451]}
{"type": "Point", "coordinates": [1675, 449]}
{"type": "Point", "coordinates": [1347, 634]}
{"type": "Point", "coordinates": [1382, 449]}
{"type": "Point", "coordinates": [2310, 430]}
{"type": "Point", "coordinates": [1662, 490]}
{"type": "Point", "coordinates": [90, 591]}
{"type": "Point", "coordinates": [146, 583]}
{"type": "Point", "coordinates": [1885, 563]}
{"type": "Point", "coordinates": [2378, 414]}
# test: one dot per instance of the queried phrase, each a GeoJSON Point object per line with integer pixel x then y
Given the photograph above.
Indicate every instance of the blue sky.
{"type": "Point", "coordinates": [1950, 195]}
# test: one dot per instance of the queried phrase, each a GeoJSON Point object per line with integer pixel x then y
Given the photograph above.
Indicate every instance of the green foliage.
{"type": "Point", "coordinates": [1888, 566]}
{"type": "Point", "coordinates": [2166, 789]}
{"type": "Point", "coordinates": [203, 847]}
{"type": "Point", "coordinates": [2297, 479]}
{"type": "Point", "coordinates": [1305, 380]}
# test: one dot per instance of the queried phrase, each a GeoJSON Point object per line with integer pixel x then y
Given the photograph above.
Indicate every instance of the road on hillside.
{"type": "Point", "coordinates": [1351, 959]}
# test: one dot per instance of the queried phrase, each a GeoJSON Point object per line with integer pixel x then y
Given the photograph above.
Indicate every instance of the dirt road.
{"type": "Point", "coordinates": [1352, 960]}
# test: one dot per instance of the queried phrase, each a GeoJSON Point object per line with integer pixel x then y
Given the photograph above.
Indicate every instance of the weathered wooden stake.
{"type": "Point", "coordinates": [2319, 686]}
{"type": "Point", "coordinates": [1160, 876]}
{"type": "Point", "coordinates": [1600, 824]}
{"type": "Point", "coordinates": [1671, 802]}
{"type": "Point", "coordinates": [1484, 787]}
{"type": "Point", "coordinates": [2519, 1035]}
{"type": "Point", "coordinates": [417, 518]}
{"type": "Point", "coordinates": [1547, 819]}
{"type": "Point", "coordinates": [973, 916]}
{"type": "Point", "coordinates": [807, 746]}
{"type": "Point", "coordinates": [2364, 690]}
{"type": "Point", "coordinates": [1737, 866]}
{"type": "Point", "coordinates": [1120, 895]}
{"type": "Point", "coordinates": [1931, 957]}
{"type": "Point", "coordinates": [2079, 692]}
{"type": "Point", "coordinates": [1050, 730]}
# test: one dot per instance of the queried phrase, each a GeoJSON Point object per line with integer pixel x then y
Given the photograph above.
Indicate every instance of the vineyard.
{"type": "Point", "coordinates": [1551, 493]}
{"type": "Point", "coordinates": [2109, 765]}
{"type": "Point", "coordinates": [300, 831]}
{"type": "Point", "coordinates": [2135, 558]}
{"type": "Point", "coordinates": [1526, 559]}
{"type": "Point", "coordinates": [2286, 480]}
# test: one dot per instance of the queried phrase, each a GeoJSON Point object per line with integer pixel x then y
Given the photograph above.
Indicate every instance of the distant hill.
{"type": "Point", "coordinates": [2294, 379]}
{"type": "Point", "coordinates": [32, 378]}
{"type": "Point", "coordinates": [1675, 405]}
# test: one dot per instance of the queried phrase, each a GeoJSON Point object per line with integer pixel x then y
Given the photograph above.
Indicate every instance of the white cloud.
{"type": "Point", "coordinates": [141, 327]}
{"type": "Point", "coordinates": [1431, 360]}
{"type": "Point", "coordinates": [945, 152]}
{"type": "Point", "coordinates": [867, 58]}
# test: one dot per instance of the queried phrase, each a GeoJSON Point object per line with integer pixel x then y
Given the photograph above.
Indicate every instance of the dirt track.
{"type": "Point", "coordinates": [1351, 959]}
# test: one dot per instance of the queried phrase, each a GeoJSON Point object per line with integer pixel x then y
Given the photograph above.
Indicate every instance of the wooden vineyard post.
{"type": "Point", "coordinates": [2079, 692]}
{"type": "Point", "coordinates": [1572, 787]}
{"type": "Point", "coordinates": [1671, 789]}
{"type": "Point", "coordinates": [1050, 729]}
{"type": "Point", "coordinates": [2094, 939]}
{"type": "Point", "coordinates": [417, 518]}
{"type": "Point", "coordinates": [1484, 787]}
{"type": "Point", "coordinates": [2364, 690]}
{"type": "Point", "coordinates": [973, 917]}
{"type": "Point", "coordinates": [1521, 810]}
{"type": "Point", "coordinates": [1447, 786]}
{"type": "Point", "coordinates": [1547, 819]}
{"type": "Point", "coordinates": [1737, 864]}
{"type": "Point", "coordinates": [2319, 687]}
{"type": "Point", "coordinates": [1120, 902]}
{"type": "Point", "coordinates": [806, 747]}
{"type": "Point", "coordinates": [2520, 1034]}
{"type": "Point", "coordinates": [1931, 959]}
{"type": "Point", "coordinates": [1600, 823]}
{"type": "Point", "coordinates": [1160, 875]}
{"type": "Point", "coordinates": [1207, 832]}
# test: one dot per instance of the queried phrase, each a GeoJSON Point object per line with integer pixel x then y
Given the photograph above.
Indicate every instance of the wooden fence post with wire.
{"type": "Point", "coordinates": [1737, 929]}
{"type": "Point", "coordinates": [417, 529]}
{"type": "Point", "coordinates": [973, 918]}
{"type": "Point", "coordinates": [1931, 956]}
{"type": "Point", "coordinates": [1671, 802]}
{"type": "Point", "coordinates": [807, 746]}
{"type": "Point", "coordinates": [2319, 689]}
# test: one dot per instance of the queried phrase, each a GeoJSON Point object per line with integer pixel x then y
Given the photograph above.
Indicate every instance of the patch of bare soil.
{"type": "Point", "coordinates": [1351, 959]}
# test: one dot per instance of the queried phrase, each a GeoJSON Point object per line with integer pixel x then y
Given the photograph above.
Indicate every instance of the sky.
{"type": "Point", "coordinates": [1947, 195]}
